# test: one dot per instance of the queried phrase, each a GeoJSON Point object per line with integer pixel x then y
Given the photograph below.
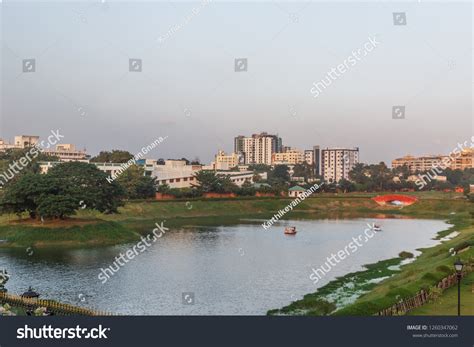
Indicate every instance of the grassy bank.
{"type": "Point", "coordinates": [446, 304]}
{"type": "Point", "coordinates": [77, 234]}
{"type": "Point", "coordinates": [90, 227]}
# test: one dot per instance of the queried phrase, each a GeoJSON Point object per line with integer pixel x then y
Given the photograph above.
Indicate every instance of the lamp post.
{"type": "Point", "coordinates": [458, 265]}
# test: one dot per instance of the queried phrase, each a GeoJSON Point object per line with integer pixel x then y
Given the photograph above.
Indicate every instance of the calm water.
{"type": "Point", "coordinates": [232, 270]}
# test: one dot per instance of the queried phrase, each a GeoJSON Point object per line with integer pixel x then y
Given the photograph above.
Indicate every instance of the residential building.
{"type": "Point", "coordinates": [290, 156]}
{"type": "Point", "coordinates": [225, 161]}
{"type": "Point", "coordinates": [67, 152]}
{"type": "Point", "coordinates": [309, 156]}
{"type": "Point", "coordinates": [462, 160]}
{"type": "Point", "coordinates": [258, 148]}
{"type": "Point", "coordinates": [312, 157]}
{"type": "Point", "coordinates": [336, 163]}
{"type": "Point", "coordinates": [424, 163]}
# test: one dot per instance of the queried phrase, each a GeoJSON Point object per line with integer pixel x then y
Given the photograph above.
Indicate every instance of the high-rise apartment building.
{"type": "Point", "coordinates": [258, 148]}
{"type": "Point", "coordinates": [336, 163]}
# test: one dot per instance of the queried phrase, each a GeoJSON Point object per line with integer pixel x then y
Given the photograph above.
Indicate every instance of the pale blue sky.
{"type": "Point", "coordinates": [82, 52]}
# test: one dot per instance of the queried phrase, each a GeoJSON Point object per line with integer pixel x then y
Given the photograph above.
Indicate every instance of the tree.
{"type": "Point", "coordinates": [90, 185]}
{"type": "Point", "coordinates": [21, 195]}
{"type": "Point", "coordinates": [136, 184]}
{"type": "Point", "coordinates": [56, 206]}
{"type": "Point", "coordinates": [280, 173]}
{"type": "Point", "coordinates": [303, 170]}
{"type": "Point", "coordinates": [346, 185]}
{"type": "Point", "coordinates": [258, 168]}
{"type": "Point", "coordinates": [163, 188]}
{"type": "Point", "coordinates": [359, 174]}
{"type": "Point", "coordinates": [116, 156]}
{"type": "Point", "coordinates": [196, 161]}
{"type": "Point", "coordinates": [208, 181]}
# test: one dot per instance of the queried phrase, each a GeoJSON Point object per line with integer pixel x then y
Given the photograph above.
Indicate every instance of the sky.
{"type": "Point", "coordinates": [188, 88]}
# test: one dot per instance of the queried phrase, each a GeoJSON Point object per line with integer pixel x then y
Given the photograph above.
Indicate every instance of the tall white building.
{"type": "Point", "coordinates": [258, 148]}
{"type": "Point", "coordinates": [337, 162]}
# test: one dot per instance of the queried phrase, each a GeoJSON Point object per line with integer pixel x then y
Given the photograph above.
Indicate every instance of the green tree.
{"type": "Point", "coordinates": [346, 185]}
{"type": "Point", "coordinates": [258, 168]}
{"type": "Point", "coordinates": [303, 170]}
{"type": "Point", "coordinates": [116, 156]}
{"type": "Point", "coordinates": [89, 185]}
{"type": "Point", "coordinates": [280, 173]}
{"type": "Point", "coordinates": [208, 181]}
{"type": "Point", "coordinates": [136, 184]}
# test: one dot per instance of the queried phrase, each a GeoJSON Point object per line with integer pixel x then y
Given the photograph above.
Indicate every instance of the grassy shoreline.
{"type": "Point", "coordinates": [138, 218]}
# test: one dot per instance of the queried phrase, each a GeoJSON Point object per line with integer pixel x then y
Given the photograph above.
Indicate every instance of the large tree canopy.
{"type": "Point", "coordinates": [62, 191]}
{"type": "Point", "coordinates": [208, 181]}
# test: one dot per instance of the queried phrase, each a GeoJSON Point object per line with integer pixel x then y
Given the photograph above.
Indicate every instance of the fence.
{"type": "Point", "coordinates": [55, 307]}
{"type": "Point", "coordinates": [419, 299]}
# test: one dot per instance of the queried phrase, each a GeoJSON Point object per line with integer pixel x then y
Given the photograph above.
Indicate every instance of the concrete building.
{"type": "Point", "coordinates": [336, 163]}
{"type": "Point", "coordinates": [309, 156]}
{"type": "Point", "coordinates": [19, 142]}
{"type": "Point", "coordinates": [463, 160]}
{"type": "Point", "coordinates": [258, 148]}
{"type": "Point", "coordinates": [289, 156]}
{"type": "Point", "coordinates": [312, 157]}
{"type": "Point", "coordinates": [67, 152]}
{"type": "Point", "coordinates": [225, 161]}
{"type": "Point", "coordinates": [176, 173]}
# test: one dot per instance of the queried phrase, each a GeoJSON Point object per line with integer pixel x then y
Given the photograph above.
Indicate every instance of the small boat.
{"type": "Point", "coordinates": [377, 227]}
{"type": "Point", "coordinates": [290, 230]}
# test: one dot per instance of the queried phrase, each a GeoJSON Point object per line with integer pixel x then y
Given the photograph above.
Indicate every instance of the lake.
{"type": "Point", "coordinates": [230, 270]}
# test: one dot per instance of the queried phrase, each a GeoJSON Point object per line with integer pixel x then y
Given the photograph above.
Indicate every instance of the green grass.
{"type": "Point", "coordinates": [446, 304]}
{"type": "Point", "coordinates": [99, 233]}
